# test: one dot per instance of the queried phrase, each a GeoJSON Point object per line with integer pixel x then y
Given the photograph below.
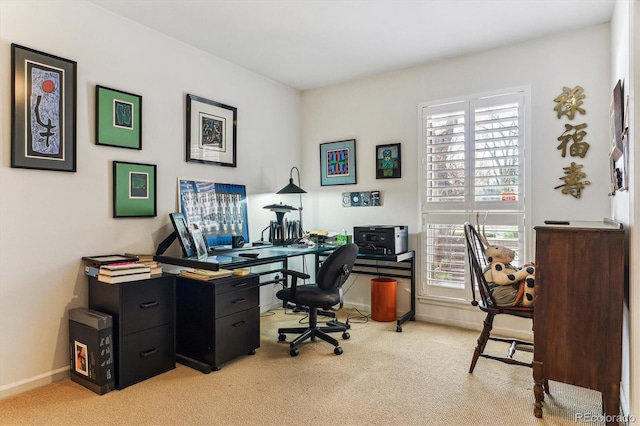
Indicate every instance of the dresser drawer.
{"type": "Point", "coordinates": [234, 284]}
{"type": "Point", "coordinates": [145, 354]}
{"type": "Point", "coordinates": [146, 305]}
{"type": "Point", "coordinates": [237, 335]}
{"type": "Point", "coordinates": [236, 301]}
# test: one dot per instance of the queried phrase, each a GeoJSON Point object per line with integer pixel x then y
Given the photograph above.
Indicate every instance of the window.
{"type": "Point", "coordinates": [472, 164]}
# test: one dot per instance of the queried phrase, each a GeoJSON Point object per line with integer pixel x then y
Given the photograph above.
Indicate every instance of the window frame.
{"type": "Point", "coordinates": [493, 214]}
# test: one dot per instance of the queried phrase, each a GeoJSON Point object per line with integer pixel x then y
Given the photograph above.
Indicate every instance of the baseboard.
{"type": "Point", "coordinates": [33, 382]}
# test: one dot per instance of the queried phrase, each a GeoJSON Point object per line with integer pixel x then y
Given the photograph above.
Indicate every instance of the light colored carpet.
{"type": "Point", "coordinates": [416, 377]}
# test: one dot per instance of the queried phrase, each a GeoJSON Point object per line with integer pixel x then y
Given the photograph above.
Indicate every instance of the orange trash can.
{"type": "Point", "coordinates": [383, 299]}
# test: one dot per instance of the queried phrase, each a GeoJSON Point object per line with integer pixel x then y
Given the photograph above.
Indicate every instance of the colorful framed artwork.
{"type": "Point", "coordinates": [43, 112]}
{"type": "Point", "coordinates": [134, 189]}
{"type": "Point", "coordinates": [388, 163]}
{"type": "Point", "coordinates": [338, 163]}
{"type": "Point", "coordinates": [118, 118]}
{"type": "Point", "coordinates": [211, 132]}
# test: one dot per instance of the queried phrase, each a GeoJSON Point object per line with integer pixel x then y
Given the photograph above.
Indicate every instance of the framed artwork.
{"type": "Point", "coordinates": [134, 189]}
{"type": "Point", "coordinates": [219, 210]}
{"type": "Point", "coordinates": [118, 118]}
{"type": "Point", "coordinates": [338, 163]}
{"type": "Point", "coordinates": [616, 121]}
{"type": "Point", "coordinates": [388, 163]}
{"type": "Point", "coordinates": [211, 132]}
{"type": "Point", "coordinates": [43, 111]}
{"type": "Point", "coordinates": [199, 242]}
{"type": "Point", "coordinates": [183, 234]}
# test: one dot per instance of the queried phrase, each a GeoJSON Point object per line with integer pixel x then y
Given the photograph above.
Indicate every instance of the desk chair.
{"type": "Point", "coordinates": [477, 264]}
{"type": "Point", "coordinates": [325, 294]}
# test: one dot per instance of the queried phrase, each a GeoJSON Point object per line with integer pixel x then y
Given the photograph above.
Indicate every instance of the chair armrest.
{"type": "Point", "coordinates": [296, 274]}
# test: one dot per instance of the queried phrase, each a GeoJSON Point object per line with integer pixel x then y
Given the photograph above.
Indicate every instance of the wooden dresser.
{"type": "Point", "coordinates": [578, 309]}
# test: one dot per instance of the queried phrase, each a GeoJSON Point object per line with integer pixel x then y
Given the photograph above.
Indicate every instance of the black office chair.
{"type": "Point", "coordinates": [325, 294]}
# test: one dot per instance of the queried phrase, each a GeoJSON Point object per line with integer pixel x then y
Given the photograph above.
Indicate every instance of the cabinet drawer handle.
{"type": "Point", "coordinates": [238, 324]}
{"type": "Point", "coordinates": [243, 300]}
{"type": "Point", "coordinates": [148, 305]}
{"type": "Point", "coordinates": [149, 352]}
{"type": "Point", "coordinates": [242, 284]}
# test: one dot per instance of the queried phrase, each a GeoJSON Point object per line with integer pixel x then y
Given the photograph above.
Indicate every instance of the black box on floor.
{"type": "Point", "coordinates": [91, 349]}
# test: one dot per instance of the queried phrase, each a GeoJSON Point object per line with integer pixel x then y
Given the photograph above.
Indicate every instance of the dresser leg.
{"type": "Point", "coordinates": [538, 392]}
{"type": "Point", "coordinates": [611, 400]}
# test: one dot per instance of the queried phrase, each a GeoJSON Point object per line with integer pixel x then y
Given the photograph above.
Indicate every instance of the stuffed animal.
{"type": "Point", "coordinates": [509, 285]}
{"type": "Point", "coordinates": [512, 286]}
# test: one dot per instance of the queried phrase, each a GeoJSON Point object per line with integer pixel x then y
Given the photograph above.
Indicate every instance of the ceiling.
{"type": "Point", "coordinates": [306, 44]}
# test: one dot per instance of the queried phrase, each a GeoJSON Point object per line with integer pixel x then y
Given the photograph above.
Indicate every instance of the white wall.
{"type": "Point", "coordinates": [49, 220]}
{"type": "Point", "coordinates": [383, 109]}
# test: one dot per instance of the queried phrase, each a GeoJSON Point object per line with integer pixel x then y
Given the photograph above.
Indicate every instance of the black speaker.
{"type": "Point", "coordinates": [237, 241]}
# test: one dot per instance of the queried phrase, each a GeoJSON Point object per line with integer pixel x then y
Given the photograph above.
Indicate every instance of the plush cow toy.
{"type": "Point", "coordinates": [510, 286]}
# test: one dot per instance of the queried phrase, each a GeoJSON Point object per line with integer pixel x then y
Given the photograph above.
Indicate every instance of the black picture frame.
{"type": "Point", "coordinates": [338, 163]}
{"type": "Point", "coordinates": [134, 189]}
{"type": "Point", "coordinates": [118, 118]}
{"type": "Point", "coordinates": [182, 232]}
{"type": "Point", "coordinates": [388, 161]}
{"type": "Point", "coordinates": [211, 132]}
{"type": "Point", "coordinates": [43, 111]}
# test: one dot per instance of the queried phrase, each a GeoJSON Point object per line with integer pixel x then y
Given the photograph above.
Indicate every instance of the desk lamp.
{"type": "Point", "coordinates": [294, 189]}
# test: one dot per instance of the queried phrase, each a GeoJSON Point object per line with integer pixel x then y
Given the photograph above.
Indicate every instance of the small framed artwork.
{"type": "Point", "coordinates": [199, 242]}
{"type": "Point", "coordinates": [134, 189]}
{"type": "Point", "coordinates": [118, 118]}
{"type": "Point", "coordinates": [182, 232]}
{"type": "Point", "coordinates": [43, 111]}
{"type": "Point", "coordinates": [211, 132]}
{"type": "Point", "coordinates": [388, 163]}
{"type": "Point", "coordinates": [338, 163]}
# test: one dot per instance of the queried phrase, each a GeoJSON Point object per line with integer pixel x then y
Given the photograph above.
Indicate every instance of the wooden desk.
{"type": "Point", "coordinates": [578, 309]}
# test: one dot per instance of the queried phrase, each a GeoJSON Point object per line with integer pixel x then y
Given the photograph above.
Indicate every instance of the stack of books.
{"type": "Point", "coordinates": [114, 273]}
{"type": "Point", "coordinates": [205, 274]}
{"type": "Point", "coordinates": [147, 259]}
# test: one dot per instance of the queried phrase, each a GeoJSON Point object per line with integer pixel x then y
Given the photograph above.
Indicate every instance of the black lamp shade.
{"type": "Point", "coordinates": [291, 189]}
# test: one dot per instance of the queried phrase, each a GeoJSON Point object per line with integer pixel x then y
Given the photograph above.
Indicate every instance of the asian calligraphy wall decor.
{"type": "Point", "coordinates": [568, 103]}
{"type": "Point", "coordinates": [43, 112]}
{"type": "Point", "coordinates": [338, 163]}
{"type": "Point", "coordinates": [573, 180]}
{"type": "Point", "coordinates": [118, 118]}
{"type": "Point", "coordinates": [388, 163]}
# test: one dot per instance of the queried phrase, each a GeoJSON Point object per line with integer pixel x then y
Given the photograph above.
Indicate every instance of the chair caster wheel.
{"type": "Point", "coordinates": [294, 352]}
{"type": "Point", "coordinates": [345, 335]}
{"type": "Point", "coordinates": [282, 337]}
{"type": "Point", "coordinates": [399, 329]}
{"type": "Point", "coordinates": [338, 350]}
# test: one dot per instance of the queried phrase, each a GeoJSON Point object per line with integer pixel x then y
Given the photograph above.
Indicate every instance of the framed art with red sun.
{"type": "Point", "coordinates": [43, 112]}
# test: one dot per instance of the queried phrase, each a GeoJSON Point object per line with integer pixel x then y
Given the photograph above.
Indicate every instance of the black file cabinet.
{"type": "Point", "coordinates": [216, 321]}
{"type": "Point", "coordinates": [143, 325]}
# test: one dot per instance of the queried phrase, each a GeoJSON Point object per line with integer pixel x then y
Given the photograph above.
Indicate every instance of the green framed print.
{"type": "Point", "coordinates": [118, 118]}
{"type": "Point", "coordinates": [338, 163]}
{"type": "Point", "coordinates": [134, 189]}
{"type": "Point", "coordinates": [43, 110]}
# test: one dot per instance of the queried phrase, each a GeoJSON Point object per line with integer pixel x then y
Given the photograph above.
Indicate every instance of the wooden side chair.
{"type": "Point", "coordinates": [477, 264]}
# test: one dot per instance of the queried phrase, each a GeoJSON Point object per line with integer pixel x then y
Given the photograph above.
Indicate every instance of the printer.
{"type": "Point", "coordinates": [380, 239]}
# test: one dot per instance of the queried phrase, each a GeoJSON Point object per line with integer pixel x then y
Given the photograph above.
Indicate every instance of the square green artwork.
{"type": "Point", "coordinates": [134, 189]}
{"type": "Point", "coordinates": [118, 118]}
